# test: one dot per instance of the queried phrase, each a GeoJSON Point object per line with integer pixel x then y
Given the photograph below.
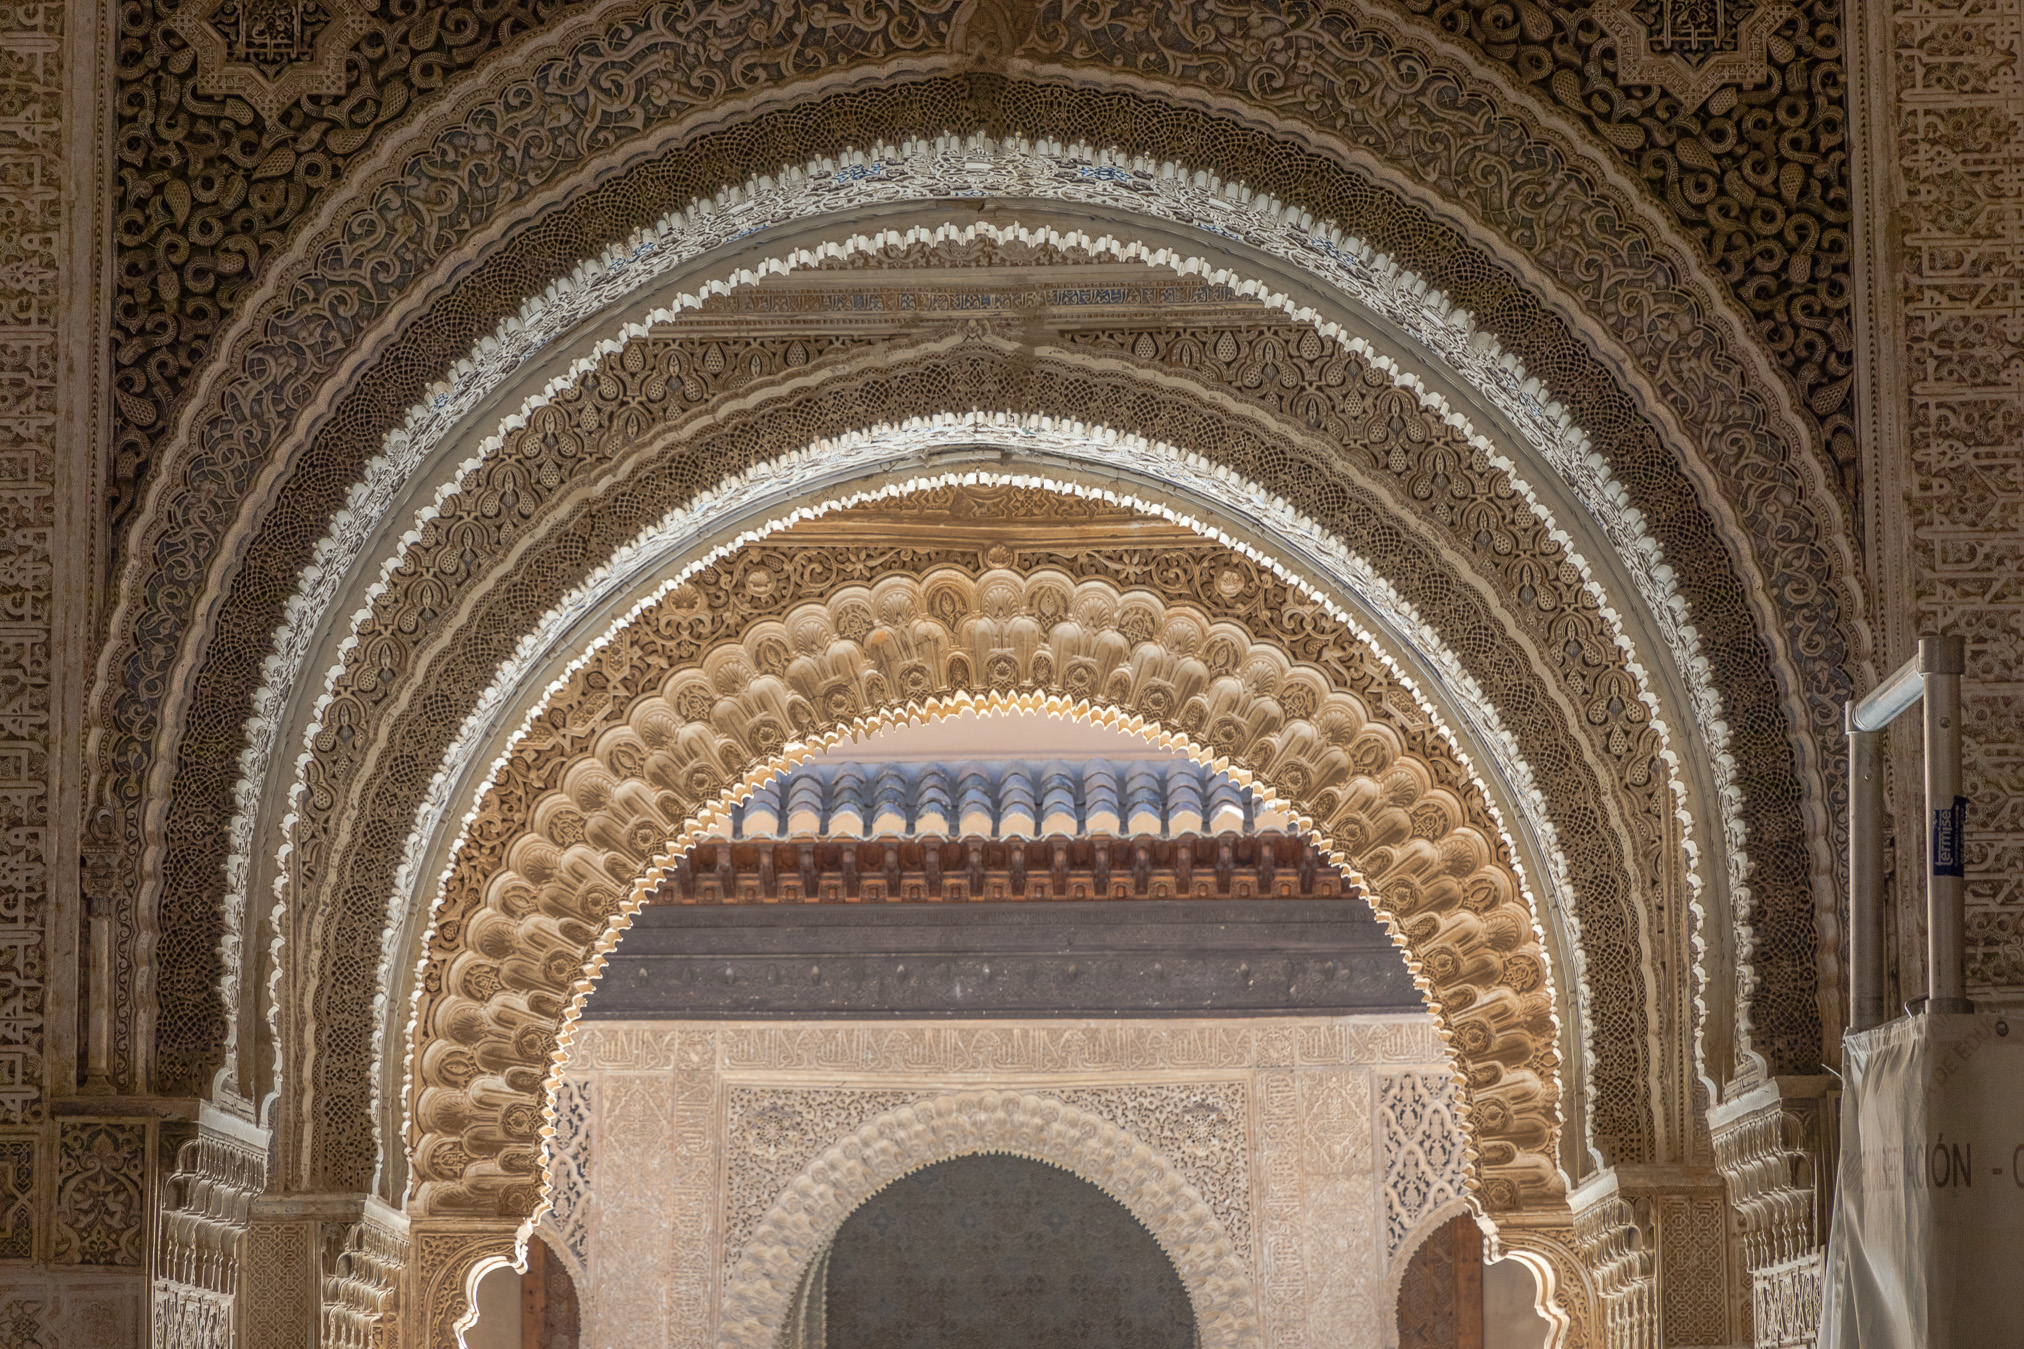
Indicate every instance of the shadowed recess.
{"type": "Point", "coordinates": [999, 1252]}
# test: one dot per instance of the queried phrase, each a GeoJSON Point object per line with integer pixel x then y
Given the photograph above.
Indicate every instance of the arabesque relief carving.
{"type": "Point", "coordinates": [193, 256]}
{"type": "Point", "coordinates": [185, 1015]}
{"type": "Point", "coordinates": [1426, 1172]}
{"type": "Point", "coordinates": [1202, 1129]}
{"type": "Point", "coordinates": [759, 1288]}
{"type": "Point", "coordinates": [33, 440]}
{"type": "Point", "coordinates": [623, 404]}
{"type": "Point", "coordinates": [659, 738]}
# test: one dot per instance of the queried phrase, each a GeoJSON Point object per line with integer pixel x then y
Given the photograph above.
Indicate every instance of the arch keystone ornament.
{"type": "Point", "coordinates": [1691, 48]}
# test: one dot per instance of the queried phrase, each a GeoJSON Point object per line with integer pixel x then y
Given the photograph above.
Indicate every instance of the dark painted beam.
{"type": "Point", "coordinates": [1136, 958]}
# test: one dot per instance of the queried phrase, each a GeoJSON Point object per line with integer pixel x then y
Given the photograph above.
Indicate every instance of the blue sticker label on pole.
{"type": "Point", "coordinates": [1949, 829]}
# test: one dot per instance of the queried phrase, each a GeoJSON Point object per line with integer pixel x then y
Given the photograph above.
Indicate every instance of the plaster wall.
{"type": "Point", "coordinates": [1323, 1148]}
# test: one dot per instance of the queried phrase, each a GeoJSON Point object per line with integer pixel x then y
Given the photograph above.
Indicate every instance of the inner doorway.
{"type": "Point", "coordinates": [990, 1251]}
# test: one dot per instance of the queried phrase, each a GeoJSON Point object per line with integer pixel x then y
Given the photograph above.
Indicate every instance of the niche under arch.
{"type": "Point", "coordinates": [991, 1251]}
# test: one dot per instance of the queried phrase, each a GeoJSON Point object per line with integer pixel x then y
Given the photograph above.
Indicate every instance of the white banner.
{"type": "Point", "coordinates": [1927, 1248]}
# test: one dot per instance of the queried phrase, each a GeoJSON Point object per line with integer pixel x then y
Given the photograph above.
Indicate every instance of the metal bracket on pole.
{"type": "Point", "coordinates": [1931, 678]}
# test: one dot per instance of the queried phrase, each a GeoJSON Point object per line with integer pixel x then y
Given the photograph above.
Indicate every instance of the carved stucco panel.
{"type": "Point", "coordinates": [772, 1134]}
{"type": "Point", "coordinates": [1954, 504]}
{"type": "Point", "coordinates": [572, 1153]}
{"type": "Point", "coordinates": [1426, 1168]}
{"type": "Point", "coordinates": [1340, 1202]}
{"type": "Point", "coordinates": [1765, 534]}
{"type": "Point", "coordinates": [1248, 1124]}
{"type": "Point", "coordinates": [33, 436]}
{"type": "Point", "coordinates": [647, 1154]}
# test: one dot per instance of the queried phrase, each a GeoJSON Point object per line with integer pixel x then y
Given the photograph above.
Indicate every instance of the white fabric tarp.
{"type": "Point", "coordinates": [1927, 1246]}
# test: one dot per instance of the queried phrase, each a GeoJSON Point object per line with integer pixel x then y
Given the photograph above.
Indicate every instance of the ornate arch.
{"type": "Point", "coordinates": [351, 722]}
{"type": "Point", "coordinates": [1433, 1221]}
{"type": "Point", "coordinates": [1770, 514]}
{"type": "Point", "coordinates": [761, 1286]}
{"type": "Point", "coordinates": [566, 845]}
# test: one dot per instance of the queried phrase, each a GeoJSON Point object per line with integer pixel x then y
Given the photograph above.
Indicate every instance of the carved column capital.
{"type": "Point", "coordinates": [236, 1265]}
{"type": "Point", "coordinates": [1785, 1302]}
{"type": "Point", "coordinates": [1774, 1145]}
{"type": "Point", "coordinates": [206, 1207]}
{"type": "Point", "coordinates": [1614, 1233]}
{"type": "Point", "coordinates": [364, 1263]}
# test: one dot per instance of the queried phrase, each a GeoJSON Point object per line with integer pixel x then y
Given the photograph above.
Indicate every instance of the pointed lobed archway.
{"type": "Point", "coordinates": [816, 1203]}
{"type": "Point", "coordinates": [669, 727]}
{"type": "Point", "coordinates": [341, 745]}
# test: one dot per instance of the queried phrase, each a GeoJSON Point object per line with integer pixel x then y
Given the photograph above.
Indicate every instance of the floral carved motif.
{"type": "Point", "coordinates": [571, 1160]}
{"type": "Point", "coordinates": [1425, 1170]}
{"type": "Point", "coordinates": [101, 1176]}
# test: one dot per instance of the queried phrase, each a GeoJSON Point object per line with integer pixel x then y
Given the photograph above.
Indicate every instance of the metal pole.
{"type": "Point", "coordinates": [1941, 662]}
{"type": "Point", "coordinates": [1866, 1003]}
